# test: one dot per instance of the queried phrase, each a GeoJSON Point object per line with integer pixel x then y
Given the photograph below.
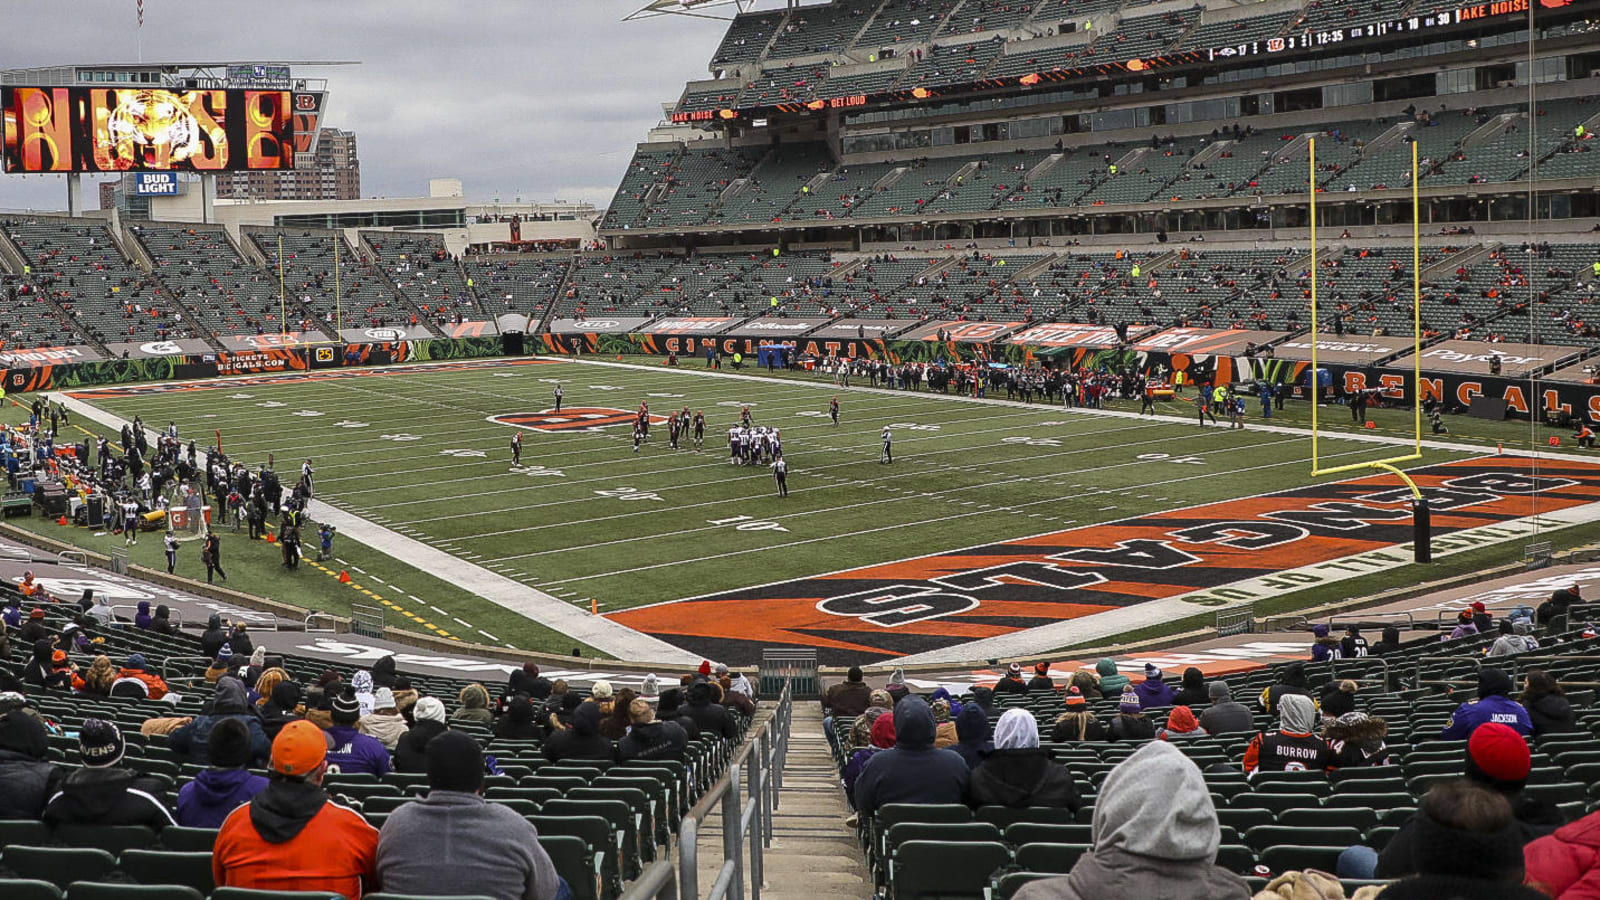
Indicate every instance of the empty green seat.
{"type": "Point", "coordinates": [168, 867]}
{"type": "Point", "coordinates": [90, 890]}
{"type": "Point", "coordinates": [28, 889]}
{"type": "Point", "coordinates": [937, 869]}
{"type": "Point", "coordinates": [59, 865]}
{"type": "Point", "coordinates": [1057, 858]}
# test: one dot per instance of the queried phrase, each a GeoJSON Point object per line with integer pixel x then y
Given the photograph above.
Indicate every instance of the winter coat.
{"type": "Point", "coordinates": [1130, 728]}
{"type": "Point", "coordinates": [212, 639]}
{"type": "Point", "coordinates": [1009, 685]}
{"type": "Point", "coordinates": [654, 740]}
{"type": "Point", "coordinates": [1154, 692]}
{"type": "Point", "coordinates": [1155, 834]}
{"type": "Point", "coordinates": [231, 702]}
{"type": "Point", "coordinates": [1066, 729]}
{"type": "Point", "coordinates": [355, 752]}
{"type": "Point", "coordinates": [206, 801]}
{"type": "Point", "coordinates": [141, 616]}
{"type": "Point", "coordinates": [1111, 681]}
{"type": "Point", "coordinates": [388, 728]}
{"type": "Point", "coordinates": [1566, 864]}
{"type": "Point", "coordinates": [1551, 714]}
{"type": "Point", "coordinates": [29, 777]}
{"type": "Point", "coordinates": [583, 740]}
{"type": "Point", "coordinates": [712, 718]}
{"type": "Point", "coordinates": [913, 770]}
{"type": "Point", "coordinates": [972, 733]}
{"type": "Point", "coordinates": [1360, 744]}
{"type": "Point", "coordinates": [1535, 819]}
{"type": "Point", "coordinates": [291, 837]}
{"type": "Point", "coordinates": [1022, 778]}
{"type": "Point", "coordinates": [410, 752]}
{"type": "Point", "coordinates": [1493, 708]}
{"type": "Point", "coordinates": [1193, 692]}
{"type": "Point", "coordinates": [108, 795]}
{"type": "Point", "coordinates": [847, 698]}
{"type": "Point", "coordinates": [1227, 716]}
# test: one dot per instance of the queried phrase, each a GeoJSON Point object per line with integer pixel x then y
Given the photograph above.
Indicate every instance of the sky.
{"type": "Point", "coordinates": [538, 99]}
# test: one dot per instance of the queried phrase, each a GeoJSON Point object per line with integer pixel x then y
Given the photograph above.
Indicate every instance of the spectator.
{"type": "Point", "coordinates": [913, 771]}
{"type": "Point", "coordinates": [1566, 864]}
{"type": "Point", "coordinates": [669, 708]}
{"type": "Point", "coordinates": [1130, 723]}
{"type": "Point", "coordinates": [141, 615]}
{"type": "Point", "coordinates": [896, 687]}
{"type": "Point", "coordinates": [217, 791]}
{"type": "Point", "coordinates": [30, 778]}
{"type": "Point", "coordinates": [528, 682]}
{"type": "Point", "coordinates": [265, 681]}
{"type": "Point", "coordinates": [649, 739]}
{"type": "Point", "coordinates": [1011, 683]}
{"type": "Point", "coordinates": [601, 693]}
{"type": "Point", "coordinates": [711, 717]}
{"type": "Point", "coordinates": [1466, 846]}
{"type": "Point", "coordinates": [972, 734]}
{"type": "Point", "coordinates": [383, 672]}
{"type": "Point", "coordinates": [1226, 714]}
{"type": "Point", "coordinates": [1193, 690]}
{"type": "Point", "coordinates": [1181, 725]}
{"type": "Point", "coordinates": [1018, 774]}
{"type": "Point", "coordinates": [583, 740]}
{"type": "Point", "coordinates": [212, 639]}
{"type": "Point", "coordinates": [1552, 614]}
{"type": "Point", "coordinates": [192, 741]}
{"type": "Point", "coordinates": [871, 732]}
{"type": "Point", "coordinates": [981, 696]}
{"type": "Point", "coordinates": [451, 840]}
{"type": "Point", "coordinates": [1155, 834]}
{"type": "Point", "coordinates": [1324, 646]}
{"type": "Point", "coordinates": [474, 708]}
{"type": "Point", "coordinates": [518, 723]}
{"type": "Point", "coordinates": [1465, 627]}
{"type": "Point", "coordinates": [1041, 680]}
{"type": "Point", "coordinates": [1497, 758]}
{"type": "Point", "coordinates": [1153, 691]}
{"type": "Point", "coordinates": [848, 698]}
{"type": "Point", "coordinates": [944, 727]}
{"type": "Point", "coordinates": [1293, 745]}
{"type": "Point", "coordinates": [616, 724]}
{"type": "Point", "coordinates": [291, 837]}
{"type": "Point", "coordinates": [385, 722]}
{"type": "Point", "coordinates": [1357, 739]}
{"type": "Point", "coordinates": [1076, 724]}
{"type": "Point", "coordinates": [1516, 636]}
{"type": "Point", "coordinates": [1494, 704]}
{"type": "Point", "coordinates": [102, 792]}
{"type": "Point", "coordinates": [1292, 680]}
{"type": "Point", "coordinates": [1338, 698]}
{"type": "Point", "coordinates": [1353, 645]}
{"type": "Point", "coordinates": [366, 700]}
{"type": "Point", "coordinates": [133, 671]}
{"type": "Point", "coordinates": [1111, 681]}
{"type": "Point", "coordinates": [1482, 619]}
{"type": "Point", "coordinates": [410, 752]}
{"type": "Point", "coordinates": [352, 751]}
{"type": "Point", "coordinates": [1087, 681]}
{"type": "Point", "coordinates": [161, 622]}
{"type": "Point", "coordinates": [282, 707]}
{"type": "Point", "coordinates": [97, 679]}
{"type": "Point", "coordinates": [1390, 642]}
{"type": "Point", "coordinates": [1547, 704]}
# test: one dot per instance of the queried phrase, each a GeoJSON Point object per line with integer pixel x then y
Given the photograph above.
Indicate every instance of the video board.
{"type": "Point", "coordinates": [145, 129]}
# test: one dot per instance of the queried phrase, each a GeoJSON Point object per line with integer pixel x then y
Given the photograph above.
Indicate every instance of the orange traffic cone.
{"type": "Point", "coordinates": [1371, 424]}
{"type": "Point", "coordinates": [344, 577]}
{"type": "Point", "coordinates": [271, 539]}
{"type": "Point", "coordinates": [619, 357]}
{"type": "Point", "coordinates": [61, 521]}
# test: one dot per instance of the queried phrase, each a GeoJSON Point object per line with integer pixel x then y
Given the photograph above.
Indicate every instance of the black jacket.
{"type": "Point", "coordinates": [656, 740]}
{"type": "Point", "coordinates": [1444, 887]}
{"type": "Point", "coordinates": [410, 752]}
{"type": "Point", "coordinates": [712, 718]}
{"type": "Point", "coordinates": [108, 796]}
{"type": "Point", "coordinates": [1129, 728]}
{"type": "Point", "coordinates": [1009, 685]}
{"type": "Point", "coordinates": [583, 740]}
{"type": "Point", "coordinates": [1535, 819]}
{"type": "Point", "coordinates": [1065, 731]}
{"type": "Point", "coordinates": [212, 639]}
{"type": "Point", "coordinates": [1021, 778]}
{"type": "Point", "coordinates": [1551, 714]}
{"type": "Point", "coordinates": [913, 770]}
{"type": "Point", "coordinates": [29, 777]}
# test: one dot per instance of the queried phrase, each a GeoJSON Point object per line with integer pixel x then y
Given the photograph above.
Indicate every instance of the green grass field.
{"type": "Point", "coordinates": [588, 519]}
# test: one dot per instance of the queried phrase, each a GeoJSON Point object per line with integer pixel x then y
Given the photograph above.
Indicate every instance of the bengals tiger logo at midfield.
{"type": "Point", "coordinates": [574, 418]}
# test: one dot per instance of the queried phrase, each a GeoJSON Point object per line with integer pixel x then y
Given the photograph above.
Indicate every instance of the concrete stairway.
{"type": "Point", "coordinates": [813, 856]}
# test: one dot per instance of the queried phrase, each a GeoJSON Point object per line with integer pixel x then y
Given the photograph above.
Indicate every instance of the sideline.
{"type": "Point", "coordinates": [598, 632]}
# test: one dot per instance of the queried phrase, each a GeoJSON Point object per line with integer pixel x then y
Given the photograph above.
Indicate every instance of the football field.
{"type": "Point", "coordinates": [425, 451]}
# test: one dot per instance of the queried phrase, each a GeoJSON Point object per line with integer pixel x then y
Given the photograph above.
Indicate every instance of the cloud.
{"type": "Point", "coordinates": [514, 97]}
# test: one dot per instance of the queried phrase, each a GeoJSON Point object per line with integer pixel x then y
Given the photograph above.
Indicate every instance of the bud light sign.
{"type": "Point", "coordinates": [155, 184]}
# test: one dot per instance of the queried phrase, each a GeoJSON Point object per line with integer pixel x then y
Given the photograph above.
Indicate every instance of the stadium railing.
{"type": "Point", "coordinates": [746, 825]}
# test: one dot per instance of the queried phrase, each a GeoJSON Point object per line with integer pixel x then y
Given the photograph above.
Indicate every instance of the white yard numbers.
{"type": "Point", "coordinates": [1030, 441]}
{"type": "Point", "coordinates": [240, 396]}
{"type": "Point", "coordinates": [307, 414]}
{"type": "Point", "coordinates": [737, 403]}
{"type": "Point", "coordinates": [270, 404]}
{"type": "Point", "coordinates": [604, 387]}
{"type": "Point", "coordinates": [349, 423]}
{"type": "Point", "coordinates": [402, 437]}
{"type": "Point", "coordinates": [462, 452]}
{"type": "Point", "coordinates": [812, 413]}
{"type": "Point", "coordinates": [746, 523]}
{"type": "Point", "coordinates": [1166, 457]}
{"type": "Point", "coordinates": [912, 426]}
{"type": "Point", "coordinates": [628, 493]}
{"type": "Point", "coordinates": [534, 471]}
{"type": "Point", "coordinates": [668, 396]}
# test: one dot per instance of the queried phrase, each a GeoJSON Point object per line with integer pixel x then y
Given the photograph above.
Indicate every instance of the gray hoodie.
{"type": "Point", "coordinates": [1155, 835]}
{"type": "Point", "coordinates": [450, 841]}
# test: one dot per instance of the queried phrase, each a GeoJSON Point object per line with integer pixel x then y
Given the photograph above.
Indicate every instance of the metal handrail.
{"type": "Point", "coordinates": [333, 623]}
{"type": "Point", "coordinates": [1411, 622]}
{"type": "Point", "coordinates": [746, 825]}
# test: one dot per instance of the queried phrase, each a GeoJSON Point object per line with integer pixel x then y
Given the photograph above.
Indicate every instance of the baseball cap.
{"type": "Point", "coordinates": [299, 748]}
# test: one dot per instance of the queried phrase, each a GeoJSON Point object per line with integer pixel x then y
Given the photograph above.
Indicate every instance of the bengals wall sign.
{"type": "Point", "coordinates": [573, 418]}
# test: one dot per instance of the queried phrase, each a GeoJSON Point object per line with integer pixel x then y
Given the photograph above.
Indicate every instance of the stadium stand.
{"type": "Point", "coordinates": [203, 269]}
{"type": "Point", "coordinates": [521, 284]}
{"type": "Point", "coordinates": [990, 15]}
{"type": "Point", "coordinates": [356, 295]}
{"type": "Point", "coordinates": [29, 319]}
{"type": "Point", "coordinates": [822, 29]}
{"type": "Point", "coordinates": [747, 38]}
{"type": "Point", "coordinates": [425, 272]}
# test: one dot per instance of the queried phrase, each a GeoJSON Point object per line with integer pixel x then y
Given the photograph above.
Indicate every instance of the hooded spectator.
{"type": "Point", "coordinates": [583, 740]}
{"type": "Point", "coordinates": [847, 698]}
{"type": "Point", "coordinates": [1552, 614]}
{"type": "Point", "coordinates": [649, 739]}
{"type": "Point", "coordinates": [291, 837]}
{"type": "Point", "coordinates": [669, 708]}
{"type": "Point", "coordinates": [711, 717]}
{"type": "Point", "coordinates": [914, 771]}
{"type": "Point", "coordinates": [352, 751]}
{"type": "Point", "coordinates": [1010, 683]}
{"type": "Point", "coordinates": [1516, 636]}
{"type": "Point", "coordinates": [97, 679]}
{"type": "Point", "coordinates": [1018, 774]}
{"type": "Point", "coordinates": [1390, 642]}
{"type": "Point", "coordinates": [1111, 681]}
{"type": "Point", "coordinates": [871, 732]}
{"type": "Point", "coordinates": [474, 706]}
{"type": "Point", "coordinates": [161, 622]}
{"type": "Point", "coordinates": [452, 838]}
{"type": "Point", "coordinates": [1357, 740]}
{"type": "Point", "coordinates": [1076, 724]}
{"type": "Point", "coordinates": [1324, 646]}
{"type": "Point", "coordinates": [982, 696]}
{"type": "Point", "coordinates": [150, 684]}
{"type": "Point", "coordinates": [41, 668]}
{"type": "Point", "coordinates": [383, 672]}
{"type": "Point", "coordinates": [192, 741]}
{"type": "Point", "coordinates": [282, 707]}
{"type": "Point", "coordinates": [1294, 745]}
{"type": "Point", "coordinates": [1547, 704]}
{"type": "Point", "coordinates": [29, 777]}
{"type": "Point", "coordinates": [1041, 680]}
{"type": "Point", "coordinates": [1181, 725]}
{"type": "Point", "coordinates": [102, 792]}
{"type": "Point", "coordinates": [385, 722]}
{"type": "Point", "coordinates": [217, 791]}
{"type": "Point", "coordinates": [410, 752]}
{"type": "Point", "coordinates": [1193, 690]}
{"type": "Point", "coordinates": [1292, 680]}
{"type": "Point", "coordinates": [1155, 834]}
{"type": "Point", "coordinates": [239, 641]}
{"type": "Point", "coordinates": [1130, 723]}
{"type": "Point", "coordinates": [1467, 846]}
{"type": "Point", "coordinates": [212, 639]}
{"type": "Point", "coordinates": [1494, 704]}
{"type": "Point", "coordinates": [141, 616]}
{"type": "Point", "coordinates": [1153, 691]}
{"type": "Point", "coordinates": [1226, 714]}
{"type": "Point", "coordinates": [528, 682]}
{"type": "Point", "coordinates": [518, 723]}
{"type": "Point", "coordinates": [972, 733]}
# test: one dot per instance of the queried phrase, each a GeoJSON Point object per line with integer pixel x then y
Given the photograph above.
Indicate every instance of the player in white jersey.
{"type": "Point", "coordinates": [887, 456]}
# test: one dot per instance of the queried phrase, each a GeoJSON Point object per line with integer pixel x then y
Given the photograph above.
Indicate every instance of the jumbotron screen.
{"type": "Point", "coordinates": [144, 129]}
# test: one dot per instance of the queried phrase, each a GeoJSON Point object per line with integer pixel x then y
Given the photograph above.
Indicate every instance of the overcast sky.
{"type": "Point", "coordinates": [532, 98]}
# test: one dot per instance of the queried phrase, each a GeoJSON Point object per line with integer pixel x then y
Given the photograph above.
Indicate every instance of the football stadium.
{"type": "Point", "coordinates": [939, 469]}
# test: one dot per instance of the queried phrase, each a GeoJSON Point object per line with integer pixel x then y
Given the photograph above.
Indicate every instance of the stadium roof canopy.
{"type": "Point", "coordinates": [688, 8]}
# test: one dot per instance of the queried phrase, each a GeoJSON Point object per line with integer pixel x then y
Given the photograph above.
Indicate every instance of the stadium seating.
{"type": "Point", "coordinates": [423, 270]}
{"type": "Point", "coordinates": [355, 295]}
{"type": "Point", "coordinates": [79, 265]}
{"type": "Point", "coordinates": [513, 283]}
{"type": "Point", "coordinates": [201, 267]}
{"type": "Point", "coordinates": [29, 319]}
